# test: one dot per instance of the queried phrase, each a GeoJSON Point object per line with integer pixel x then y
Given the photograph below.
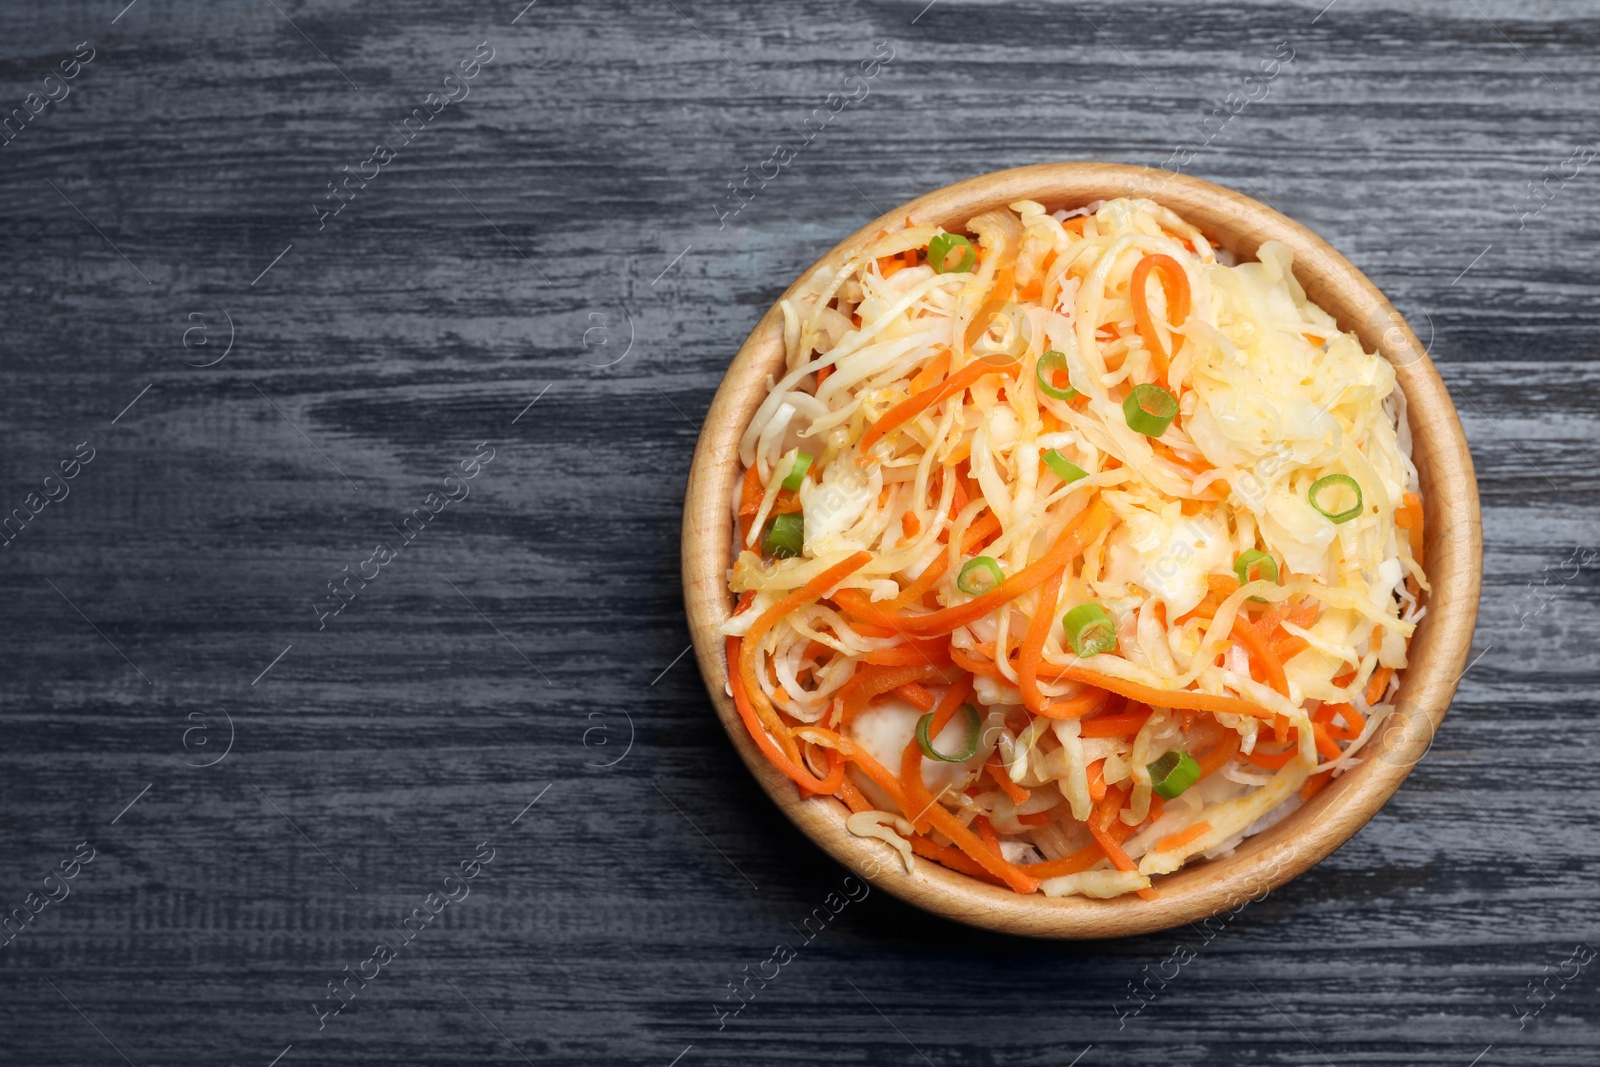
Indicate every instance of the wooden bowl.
{"type": "Point", "coordinates": [1438, 650]}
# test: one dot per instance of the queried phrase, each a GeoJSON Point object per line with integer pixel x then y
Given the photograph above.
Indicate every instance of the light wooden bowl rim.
{"type": "Point", "coordinates": [1438, 651]}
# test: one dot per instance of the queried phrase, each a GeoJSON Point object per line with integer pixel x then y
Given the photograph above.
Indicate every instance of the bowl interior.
{"type": "Point", "coordinates": [1438, 650]}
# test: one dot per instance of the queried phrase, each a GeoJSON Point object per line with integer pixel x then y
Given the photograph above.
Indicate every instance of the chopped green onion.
{"type": "Point", "coordinates": [1150, 409]}
{"type": "Point", "coordinates": [968, 750]}
{"type": "Point", "coordinates": [1333, 481]}
{"type": "Point", "coordinates": [981, 574]}
{"type": "Point", "coordinates": [939, 250]}
{"type": "Point", "coordinates": [1266, 566]}
{"type": "Point", "coordinates": [797, 473]}
{"type": "Point", "coordinates": [1090, 630]}
{"type": "Point", "coordinates": [1172, 774]}
{"type": "Point", "coordinates": [785, 536]}
{"type": "Point", "coordinates": [1065, 469]}
{"type": "Point", "coordinates": [1045, 372]}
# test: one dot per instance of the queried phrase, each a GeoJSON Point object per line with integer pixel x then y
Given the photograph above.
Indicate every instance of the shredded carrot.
{"type": "Point", "coordinates": [1078, 534]}
{"type": "Point", "coordinates": [1167, 698]}
{"type": "Point", "coordinates": [931, 373]}
{"type": "Point", "coordinates": [909, 654]}
{"type": "Point", "coordinates": [1002, 778]}
{"type": "Point", "coordinates": [1272, 761]}
{"type": "Point", "coordinates": [1377, 684]}
{"type": "Point", "coordinates": [1315, 784]}
{"type": "Point", "coordinates": [1194, 832]}
{"type": "Point", "coordinates": [1086, 700]}
{"type": "Point", "coordinates": [1219, 754]}
{"type": "Point", "coordinates": [1354, 721]}
{"type": "Point", "coordinates": [974, 664]}
{"type": "Point", "coordinates": [1261, 653]}
{"type": "Point", "coordinates": [912, 594]}
{"type": "Point", "coordinates": [1175, 282]}
{"type": "Point", "coordinates": [1001, 292]}
{"type": "Point", "coordinates": [747, 649]}
{"type": "Point", "coordinates": [769, 748]}
{"type": "Point", "coordinates": [1123, 724]}
{"type": "Point", "coordinates": [909, 409]}
{"type": "Point", "coordinates": [871, 680]}
{"type": "Point", "coordinates": [914, 694]}
{"type": "Point", "coordinates": [952, 858]}
{"type": "Point", "coordinates": [911, 757]}
{"type": "Point", "coordinates": [1097, 780]}
{"type": "Point", "coordinates": [852, 797]}
{"type": "Point", "coordinates": [1099, 824]}
{"type": "Point", "coordinates": [1408, 516]}
{"type": "Point", "coordinates": [1032, 649]}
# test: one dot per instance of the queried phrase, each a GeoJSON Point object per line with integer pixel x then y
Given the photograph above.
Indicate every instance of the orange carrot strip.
{"type": "Point", "coordinates": [1167, 698]}
{"type": "Point", "coordinates": [1261, 652]}
{"type": "Point", "coordinates": [1080, 531]}
{"type": "Point", "coordinates": [981, 528]}
{"type": "Point", "coordinates": [871, 680]}
{"type": "Point", "coordinates": [750, 492]}
{"type": "Point", "coordinates": [1004, 283]}
{"type": "Point", "coordinates": [1113, 848]}
{"type": "Point", "coordinates": [1219, 754]}
{"type": "Point", "coordinates": [910, 653]}
{"type": "Point", "coordinates": [1354, 721]}
{"type": "Point", "coordinates": [1183, 837]}
{"type": "Point", "coordinates": [1408, 516]}
{"type": "Point", "coordinates": [913, 693]}
{"type": "Point", "coordinates": [1315, 784]}
{"type": "Point", "coordinates": [1122, 724]}
{"type": "Point", "coordinates": [1325, 744]}
{"type": "Point", "coordinates": [911, 758]}
{"type": "Point", "coordinates": [1377, 684]}
{"type": "Point", "coordinates": [910, 408]}
{"type": "Point", "coordinates": [931, 373]}
{"type": "Point", "coordinates": [1272, 761]}
{"type": "Point", "coordinates": [1176, 285]}
{"type": "Point", "coordinates": [952, 858]}
{"type": "Point", "coordinates": [1097, 780]}
{"type": "Point", "coordinates": [974, 664]}
{"type": "Point", "coordinates": [1002, 778]}
{"type": "Point", "coordinates": [769, 748]}
{"type": "Point", "coordinates": [1033, 643]}
{"type": "Point", "coordinates": [852, 797]}
{"type": "Point", "coordinates": [1077, 706]}
{"type": "Point", "coordinates": [751, 644]}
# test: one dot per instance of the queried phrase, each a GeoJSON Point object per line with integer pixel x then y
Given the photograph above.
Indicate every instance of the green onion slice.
{"type": "Point", "coordinates": [1065, 469]}
{"type": "Point", "coordinates": [1045, 372]}
{"type": "Point", "coordinates": [981, 574]}
{"type": "Point", "coordinates": [1335, 482]}
{"type": "Point", "coordinates": [939, 250]}
{"type": "Point", "coordinates": [1266, 569]}
{"type": "Point", "coordinates": [785, 536]}
{"type": "Point", "coordinates": [1172, 774]}
{"type": "Point", "coordinates": [1150, 409]}
{"type": "Point", "coordinates": [1090, 630]}
{"type": "Point", "coordinates": [968, 750]}
{"type": "Point", "coordinates": [797, 473]}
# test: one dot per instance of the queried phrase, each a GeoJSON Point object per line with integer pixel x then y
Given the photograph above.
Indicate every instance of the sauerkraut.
{"type": "Point", "coordinates": [1069, 548]}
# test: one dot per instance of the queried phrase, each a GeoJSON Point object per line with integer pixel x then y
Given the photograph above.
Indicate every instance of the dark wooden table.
{"type": "Point", "coordinates": [548, 271]}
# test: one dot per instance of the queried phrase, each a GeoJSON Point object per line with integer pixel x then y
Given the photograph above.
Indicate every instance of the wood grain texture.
{"type": "Point", "coordinates": [595, 147]}
{"type": "Point", "coordinates": [1438, 652]}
